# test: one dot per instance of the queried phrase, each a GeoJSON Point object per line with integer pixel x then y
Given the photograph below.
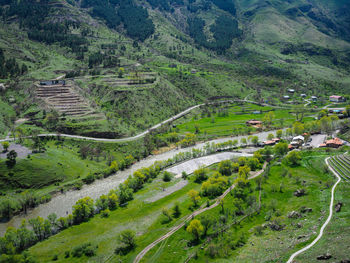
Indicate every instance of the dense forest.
{"type": "Point", "coordinates": [9, 67]}
{"type": "Point", "coordinates": [115, 12]}
{"type": "Point", "coordinates": [34, 16]}
{"type": "Point", "coordinates": [224, 30]}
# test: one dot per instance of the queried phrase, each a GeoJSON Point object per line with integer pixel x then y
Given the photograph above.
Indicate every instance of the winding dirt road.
{"type": "Point", "coordinates": [292, 257]}
{"type": "Point", "coordinates": [198, 212]}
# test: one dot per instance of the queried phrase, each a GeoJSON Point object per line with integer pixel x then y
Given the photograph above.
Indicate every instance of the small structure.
{"type": "Point", "coordinates": [193, 71]}
{"type": "Point", "coordinates": [269, 143]}
{"type": "Point", "coordinates": [299, 139]}
{"type": "Point", "coordinates": [336, 98]}
{"type": "Point", "coordinates": [303, 95]}
{"type": "Point", "coordinates": [291, 90]}
{"type": "Point", "coordinates": [295, 144]}
{"type": "Point", "coordinates": [334, 143]}
{"type": "Point", "coordinates": [286, 97]}
{"type": "Point", "coordinates": [253, 123]}
{"type": "Point", "coordinates": [314, 98]}
{"type": "Point", "coordinates": [256, 112]}
{"type": "Point", "coordinates": [52, 82]}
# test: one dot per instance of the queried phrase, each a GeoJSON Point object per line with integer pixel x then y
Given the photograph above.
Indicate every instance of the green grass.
{"type": "Point", "coordinates": [7, 113]}
{"type": "Point", "coordinates": [272, 246]}
{"type": "Point", "coordinates": [44, 172]}
{"type": "Point", "coordinates": [216, 126]}
{"type": "Point", "coordinates": [147, 221]}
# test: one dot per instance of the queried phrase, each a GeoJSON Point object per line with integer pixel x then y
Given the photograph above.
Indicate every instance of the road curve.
{"type": "Point", "coordinates": [195, 213]}
{"type": "Point", "coordinates": [138, 136]}
{"type": "Point", "coordinates": [292, 257]}
{"type": "Point", "coordinates": [177, 116]}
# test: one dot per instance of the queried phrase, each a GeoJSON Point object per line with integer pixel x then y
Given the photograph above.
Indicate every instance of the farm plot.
{"type": "Point", "coordinates": [341, 164]}
{"type": "Point", "coordinates": [65, 100]}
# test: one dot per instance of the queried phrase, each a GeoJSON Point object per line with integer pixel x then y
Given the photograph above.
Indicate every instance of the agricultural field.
{"type": "Point", "coordinates": [231, 119]}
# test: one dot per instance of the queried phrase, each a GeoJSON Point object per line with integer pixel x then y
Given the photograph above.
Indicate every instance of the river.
{"type": "Point", "coordinates": [61, 204]}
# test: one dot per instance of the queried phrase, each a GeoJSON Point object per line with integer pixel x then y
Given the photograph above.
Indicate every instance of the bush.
{"type": "Point", "coordinates": [105, 213]}
{"type": "Point", "coordinates": [89, 179]}
{"type": "Point", "coordinates": [85, 249]}
{"type": "Point", "coordinates": [167, 176]}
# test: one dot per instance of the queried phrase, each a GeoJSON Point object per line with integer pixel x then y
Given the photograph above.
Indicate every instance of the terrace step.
{"type": "Point", "coordinates": [344, 174]}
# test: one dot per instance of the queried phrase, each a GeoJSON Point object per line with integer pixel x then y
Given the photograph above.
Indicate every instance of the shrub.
{"type": "Point", "coordinates": [89, 179]}
{"type": "Point", "coordinates": [167, 176]}
{"type": "Point", "coordinates": [85, 249]}
{"type": "Point", "coordinates": [105, 213]}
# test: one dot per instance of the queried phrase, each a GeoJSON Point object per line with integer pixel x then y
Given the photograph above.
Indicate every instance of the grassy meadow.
{"type": "Point", "coordinates": [277, 200]}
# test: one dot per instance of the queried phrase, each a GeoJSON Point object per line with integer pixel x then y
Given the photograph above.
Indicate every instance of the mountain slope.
{"type": "Point", "coordinates": [237, 48]}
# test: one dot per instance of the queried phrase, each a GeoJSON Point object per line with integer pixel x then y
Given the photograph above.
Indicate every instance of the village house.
{"type": "Point", "coordinates": [271, 142]}
{"type": "Point", "coordinates": [291, 90]}
{"type": "Point", "coordinates": [333, 143]}
{"type": "Point", "coordinates": [303, 95]}
{"type": "Point", "coordinates": [336, 98]}
{"type": "Point", "coordinates": [286, 97]}
{"type": "Point", "coordinates": [253, 123]}
{"type": "Point", "coordinates": [52, 82]}
{"type": "Point", "coordinates": [314, 98]}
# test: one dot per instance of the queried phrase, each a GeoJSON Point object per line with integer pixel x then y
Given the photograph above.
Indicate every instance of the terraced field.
{"type": "Point", "coordinates": [66, 100]}
{"type": "Point", "coordinates": [341, 163]}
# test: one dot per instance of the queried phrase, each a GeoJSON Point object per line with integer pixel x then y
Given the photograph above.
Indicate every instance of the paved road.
{"type": "Point", "coordinates": [177, 116]}
{"type": "Point", "coordinates": [317, 140]}
{"type": "Point", "coordinates": [327, 221]}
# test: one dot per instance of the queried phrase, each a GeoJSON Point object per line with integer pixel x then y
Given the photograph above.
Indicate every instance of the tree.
{"type": "Point", "coordinates": [83, 210]}
{"type": "Point", "coordinates": [279, 134]}
{"type": "Point", "coordinates": [243, 172]}
{"type": "Point", "coordinates": [127, 241]}
{"type": "Point", "coordinates": [299, 111]}
{"type": "Point", "coordinates": [268, 118]}
{"type": "Point", "coordinates": [167, 176]}
{"type": "Point", "coordinates": [253, 163]}
{"type": "Point", "coordinates": [270, 136]}
{"type": "Point", "coordinates": [121, 72]}
{"type": "Point", "coordinates": [298, 128]}
{"type": "Point", "coordinates": [200, 175]}
{"type": "Point", "coordinates": [255, 140]}
{"type": "Point", "coordinates": [167, 214]}
{"type": "Point", "coordinates": [347, 110]}
{"type": "Point", "coordinates": [225, 167]}
{"type": "Point", "coordinates": [11, 159]}
{"type": "Point", "coordinates": [293, 158]}
{"type": "Point", "coordinates": [281, 148]}
{"type": "Point", "coordinates": [326, 124]}
{"type": "Point", "coordinates": [195, 228]}
{"type": "Point", "coordinates": [206, 221]}
{"type": "Point", "coordinates": [244, 141]}
{"type": "Point", "coordinates": [125, 194]}
{"type": "Point", "coordinates": [176, 210]}
{"type": "Point", "coordinates": [194, 196]}
{"type": "Point", "coordinates": [6, 146]}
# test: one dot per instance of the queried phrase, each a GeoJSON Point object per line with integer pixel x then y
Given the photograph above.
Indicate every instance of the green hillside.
{"type": "Point", "coordinates": [235, 47]}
